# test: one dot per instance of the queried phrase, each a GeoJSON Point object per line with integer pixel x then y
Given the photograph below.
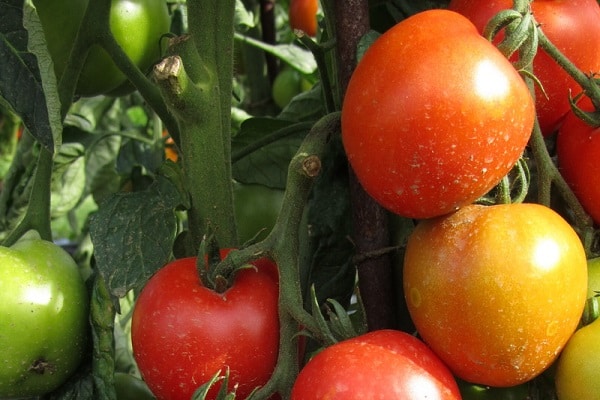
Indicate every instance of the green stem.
{"type": "Point", "coordinates": [147, 89]}
{"type": "Point", "coordinates": [37, 216]}
{"type": "Point", "coordinates": [268, 139]}
{"type": "Point", "coordinates": [282, 245]}
{"type": "Point", "coordinates": [549, 174]}
{"type": "Point", "coordinates": [102, 317]}
{"type": "Point", "coordinates": [211, 26]}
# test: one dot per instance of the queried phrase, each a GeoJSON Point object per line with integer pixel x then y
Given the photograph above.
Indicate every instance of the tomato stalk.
{"type": "Point", "coordinates": [37, 216]}
{"type": "Point", "coordinates": [588, 83]}
{"type": "Point", "coordinates": [200, 99]}
{"type": "Point", "coordinates": [102, 317]}
{"type": "Point", "coordinates": [282, 245]}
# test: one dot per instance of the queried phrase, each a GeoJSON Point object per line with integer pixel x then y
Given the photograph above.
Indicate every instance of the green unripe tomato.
{"type": "Point", "coordinates": [129, 387]}
{"type": "Point", "coordinates": [137, 25]}
{"type": "Point", "coordinates": [287, 84]}
{"type": "Point", "coordinates": [256, 210]}
{"type": "Point", "coordinates": [43, 318]}
{"type": "Point", "coordinates": [592, 304]}
{"type": "Point", "coordinates": [578, 368]}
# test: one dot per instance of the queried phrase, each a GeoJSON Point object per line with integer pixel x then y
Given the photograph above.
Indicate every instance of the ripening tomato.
{"type": "Point", "coordinates": [384, 364]}
{"type": "Point", "coordinates": [572, 26]}
{"type": "Point", "coordinates": [496, 291]}
{"type": "Point", "coordinates": [184, 333]}
{"type": "Point", "coordinates": [434, 116]}
{"type": "Point", "coordinates": [578, 152]}
{"type": "Point", "coordinates": [303, 15]}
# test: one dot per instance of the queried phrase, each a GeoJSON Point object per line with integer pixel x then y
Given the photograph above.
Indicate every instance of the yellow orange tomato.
{"type": "Point", "coordinates": [496, 291]}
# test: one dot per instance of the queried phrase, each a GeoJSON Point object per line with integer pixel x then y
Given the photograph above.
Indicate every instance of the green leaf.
{"type": "Point", "coordinates": [243, 18]}
{"type": "Point", "coordinates": [266, 164]}
{"type": "Point", "coordinates": [68, 179]}
{"type": "Point", "coordinates": [133, 234]}
{"type": "Point", "coordinates": [297, 57]}
{"type": "Point", "coordinates": [27, 83]}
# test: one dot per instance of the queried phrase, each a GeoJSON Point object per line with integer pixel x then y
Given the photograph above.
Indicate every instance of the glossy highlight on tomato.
{"type": "Point", "coordinates": [496, 291]}
{"type": "Point", "coordinates": [383, 364]}
{"type": "Point", "coordinates": [434, 116]}
{"type": "Point", "coordinates": [572, 26]}
{"type": "Point", "coordinates": [184, 333]}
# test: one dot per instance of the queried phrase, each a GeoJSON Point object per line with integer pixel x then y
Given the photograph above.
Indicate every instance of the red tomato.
{"type": "Point", "coordinates": [496, 291]}
{"type": "Point", "coordinates": [183, 333]}
{"type": "Point", "coordinates": [383, 364]}
{"type": "Point", "coordinates": [578, 154]}
{"type": "Point", "coordinates": [303, 15]}
{"type": "Point", "coordinates": [572, 26]}
{"type": "Point", "coordinates": [434, 116]}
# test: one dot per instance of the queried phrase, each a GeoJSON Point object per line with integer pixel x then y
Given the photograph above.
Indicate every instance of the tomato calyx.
{"type": "Point", "coordinates": [520, 33]}
{"type": "Point", "coordinates": [210, 269]}
{"type": "Point", "coordinates": [590, 117]}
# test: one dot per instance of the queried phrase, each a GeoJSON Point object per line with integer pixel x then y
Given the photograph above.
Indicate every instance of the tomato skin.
{"type": "Point", "coordinates": [572, 26]}
{"type": "Point", "coordinates": [303, 16]}
{"type": "Point", "coordinates": [384, 364]}
{"type": "Point", "coordinates": [434, 116]}
{"type": "Point", "coordinates": [43, 318]}
{"type": "Point", "coordinates": [256, 210]}
{"type": "Point", "coordinates": [183, 333]}
{"type": "Point", "coordinates": [136, 24]}
{"type": "Point", "coordinates": [577, 370]}
{"type": "Point", "coordinates": [578, 151]}
{"type": "Point", "coordinates": [496, 291]}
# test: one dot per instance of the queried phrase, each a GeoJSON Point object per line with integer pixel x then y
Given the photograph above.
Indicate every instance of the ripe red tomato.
{"type": "Point", "coordinates": [303, 15]}
{"type": "Point", "coordinates": [496, 291]}
{"type": "Point", "coordinates": [572, 26]}
{"type": "Point", "coordinates": [383, 364]}
{"type": "Point", "coordinates": [578, 153]}
{"type": "Point", "coordinates": [434, 116]}
{"type": "Point", "coordinates": [183, 333]}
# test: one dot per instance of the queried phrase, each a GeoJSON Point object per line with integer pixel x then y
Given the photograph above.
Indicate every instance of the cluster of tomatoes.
{"type": "Point", "coordinates": [434, 117]}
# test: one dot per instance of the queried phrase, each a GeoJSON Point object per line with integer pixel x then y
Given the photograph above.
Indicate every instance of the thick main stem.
{"type": "Point", "coordinates": [204, 122]}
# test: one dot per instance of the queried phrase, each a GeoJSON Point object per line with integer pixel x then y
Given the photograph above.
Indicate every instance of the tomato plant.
{"type": "Point", "coordinates": [572, 26]}
{"type": "Point", "coordinates": [380, 364]}
{"type": "Point", "coordinates": [256, 210]}
{"type": "Point", "coordinates": [184, 333]}
{"type": "Point", "coordinates": [577, 150]}
{"type": "Point", "coordinates": [61, 20]}
{"type": "Point", "coordinates": [434, 116]}
{"type": "Point", "coordinates": [43, 318]}
{"type": "Point", "coordinates": [577, 368]}
{"type": "Point", "coordinates": [303, 15]}
{"type": "Point", "coordinates": [496, 291]}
